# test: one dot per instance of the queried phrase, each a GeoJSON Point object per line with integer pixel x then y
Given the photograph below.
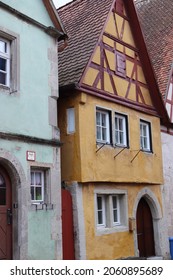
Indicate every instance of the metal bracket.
{"type": "Point", "coordinates": [135, 156]}
{"type": "Point", "coordinates": [101, 147]}
{"type": "Point", "coordinates": [120, 152]}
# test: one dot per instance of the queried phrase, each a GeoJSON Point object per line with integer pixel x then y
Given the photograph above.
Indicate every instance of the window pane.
{"type": "Point", "coordinates": [98, 133]}
{"type": "Point", "coordinates": [3, 46]}
{"type": "Point", "coordinates": [114, 201]}
{"type": "Point", "coordinates": [32, 178]}
{"type": "Point", "coordinates": [115, 215]}
{"type": "Point", "coordinates": [3, 63]}
{"type": "Point", "coordinates": [37, 178]}
{"type": "Point", "coordinates": [100, 217]}
{"type": "Point", "coordinates": [99, 202]}
{"type": "Point", "coordinates": [98, 118]}
{"type": "Point", "coordinates": [104, 134]}
{"type": "Point", "coordinates": [121, 138]}
{"type": "Point", "coordinates": [103, 120]}
{"type": "Point", "coordinates": [38, 193]}
{"type": "Point", "coordinates": [2, 78]}
{"type": "Point", "coordinates": [32, 193]}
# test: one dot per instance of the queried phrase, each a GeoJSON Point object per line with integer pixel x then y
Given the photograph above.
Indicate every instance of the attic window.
{"type": "Point", "coordinates": [119, 6]}
{"type": "Point", "coordinates": [120, 64]}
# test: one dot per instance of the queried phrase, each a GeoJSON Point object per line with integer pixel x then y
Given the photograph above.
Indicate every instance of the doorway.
{"type": "Point", "coordinates": [145, 232]}
{"type": "Point", "coordinates": [5, 216]}
{"type": "Point", "coordinates": [67, 226]}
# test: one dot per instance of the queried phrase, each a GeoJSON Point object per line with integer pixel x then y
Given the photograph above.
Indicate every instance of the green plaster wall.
{"type": "Point", "coordinates": [44, 154]}
{"type": "Point", "coordinates": [26, 115]}
{"type": "Point", "coordinates": [39, 12]}
{"type": "Point", "coordinates": [40, 245]}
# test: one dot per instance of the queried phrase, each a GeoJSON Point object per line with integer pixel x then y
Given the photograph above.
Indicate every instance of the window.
{"type": "Point", "coordinates": [4, 62]}
{"type": "Point", "coordinates": [103, 126]}
{"type": "Point", "coordinates": [111, 211]}
{"type": "Point", "coordinates": [101, 210]}
{"type": "Point", "coordinates": [120, 130]}
{"type": "Point", "coordinates": [116, 210]}
{"type": "Point", "coordinates": [37, 186]}
{"type": "Point", "coordinates": [145, 136]}
{"type": "Point", "coordinates": [9, 61]}
{"type": "Point", "coordinates": [120, 64]}
{"type": "Point", "coordinates": [70, 120]}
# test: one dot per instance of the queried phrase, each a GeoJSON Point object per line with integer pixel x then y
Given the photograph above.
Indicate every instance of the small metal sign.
{"type": "Point", "coordinates": [30, 156]}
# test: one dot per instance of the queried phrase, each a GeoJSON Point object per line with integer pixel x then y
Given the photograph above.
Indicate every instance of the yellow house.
{"type": "Point", "coordinates": [109, 118]}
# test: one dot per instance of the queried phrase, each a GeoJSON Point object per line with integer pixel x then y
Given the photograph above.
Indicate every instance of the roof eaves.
{"type": "Point", "coordinates": [55, 19]}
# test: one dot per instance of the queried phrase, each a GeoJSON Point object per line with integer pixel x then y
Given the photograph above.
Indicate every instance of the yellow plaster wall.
{"type": "Point", "coordinates": [101, 166]}
{"type": "Point", "coordinates": [70, 150]}
{"type": "Point", "coordinates": [80, 162]}
{"type": "Point", "coordinates": [113, 245]}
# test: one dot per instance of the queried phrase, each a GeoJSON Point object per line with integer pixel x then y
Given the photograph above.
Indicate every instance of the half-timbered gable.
{"type": "Point", "coordinates": [115, 70]}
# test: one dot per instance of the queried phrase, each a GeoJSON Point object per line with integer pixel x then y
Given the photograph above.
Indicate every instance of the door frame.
{"type": "Point", "coordinates": [9, 233]}
{"type": "Point", "coordinates": [145, 231]}
{"type": "Point", "coordinates": [157, 219]}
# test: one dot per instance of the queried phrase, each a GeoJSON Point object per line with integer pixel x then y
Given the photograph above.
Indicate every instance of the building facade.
{"type": "Point", "coordinates": [109, 118]}
{"type": "Point", "coordinates": [30, 200]}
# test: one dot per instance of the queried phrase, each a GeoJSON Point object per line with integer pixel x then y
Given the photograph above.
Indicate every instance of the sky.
{"type": "Point", "coordinates": [59, 3]}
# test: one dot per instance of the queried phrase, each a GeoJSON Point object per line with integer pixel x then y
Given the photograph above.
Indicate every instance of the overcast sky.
{"type": "Point", "coordinates": [59, 3]}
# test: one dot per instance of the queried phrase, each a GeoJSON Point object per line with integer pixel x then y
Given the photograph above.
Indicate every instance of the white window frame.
{"type": "Point", "coordinates": [145, 136]}
{"type": "Point", "coordinates": [105, 127]}
{"type": "Point", "coordinates": [117, 208]}
{"type": "Point", "coordinates": [102, 210]}
{"type": "Point", "coordinates": [6, 56]}
{"type": "Point", "coordinates": [34, 185]}
{"type": "Point", "coordinates": [109, 225]}
{"type": "Point", "coordinates": [120, 141]}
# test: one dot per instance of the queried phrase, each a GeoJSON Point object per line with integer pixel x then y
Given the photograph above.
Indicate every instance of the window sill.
{"type": "Point", "coordinates": [147, 151]}
{"type": "Point", "coordinates": [7, 90]}
{"type": "Point", "coordinates": [105, 230]}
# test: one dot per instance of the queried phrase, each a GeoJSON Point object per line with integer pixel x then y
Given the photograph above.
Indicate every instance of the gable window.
{"type": "Point", "coordinates": [145, 136]}
{"type": "Point", "coordinates": [102, 126]}
{"type": "Point", "coordinates": [120, 130]}
{"type": "Point", "coordinates": [111, 210]}
{"type": "Point", "coordinates": [120, 64]}
{"type": "Point", "coordinates": [37, 186]}
{"type": "Point", "coordinates": [4, 62]}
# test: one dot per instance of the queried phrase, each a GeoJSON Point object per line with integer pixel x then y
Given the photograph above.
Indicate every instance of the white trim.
{"type": "Point", "coordinates": [102, 127]}
{"type": "Point", "coordinates": [118, 130]}
{"type": "Point", "coordinates": [110, 226]}
{"type": "Point", "coordinates": [36, 186]}
{"type": "Point", "coordinates": [102, 210]}
{"type": "Point", "coordinates": [145, 146]}
{"type": "Point", "coordinates": [6, 56]}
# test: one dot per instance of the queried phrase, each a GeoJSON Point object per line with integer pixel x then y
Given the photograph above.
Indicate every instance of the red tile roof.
{"type": "Point", "coordinates": [83, 21]}
{"type": "Point", "coordinates": [156, 18]}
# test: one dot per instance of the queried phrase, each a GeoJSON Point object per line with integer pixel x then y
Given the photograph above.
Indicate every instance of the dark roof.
{"type": "Point", "coordinates": [156, 18]}
{"type": "Point", "coordinates": [83, 21]}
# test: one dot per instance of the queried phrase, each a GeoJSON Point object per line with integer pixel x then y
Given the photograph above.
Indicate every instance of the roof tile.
{"type": "Point", "coordinates": [156, 18]}
{"type": "Point", "coordinates": [83, 20]}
